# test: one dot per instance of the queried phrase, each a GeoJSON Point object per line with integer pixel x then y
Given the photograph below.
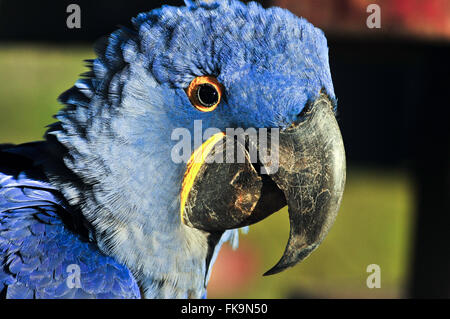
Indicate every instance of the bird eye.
{"type": "Point", "coordinates": [205, 93]}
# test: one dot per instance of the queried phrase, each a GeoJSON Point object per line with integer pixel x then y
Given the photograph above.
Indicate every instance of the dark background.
{"type": "Point", "coordinates": [393, 109]}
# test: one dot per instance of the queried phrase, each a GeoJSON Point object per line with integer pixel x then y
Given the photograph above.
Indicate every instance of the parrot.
{"type": "Point", "coordinates": [101, 207]}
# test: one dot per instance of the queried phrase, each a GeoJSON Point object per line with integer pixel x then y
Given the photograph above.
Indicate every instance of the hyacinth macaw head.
{"type": "Point", "coordinates": [207, 65]}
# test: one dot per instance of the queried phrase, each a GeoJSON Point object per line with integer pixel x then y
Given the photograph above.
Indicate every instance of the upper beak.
{"type": "Point", "coordinates": [310, 179]}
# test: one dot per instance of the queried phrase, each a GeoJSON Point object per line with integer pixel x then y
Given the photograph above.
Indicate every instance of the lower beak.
{"type": "Point", "coordinates": [309, 178]}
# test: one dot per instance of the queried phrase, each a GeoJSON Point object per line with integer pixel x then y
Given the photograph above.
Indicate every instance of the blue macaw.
{"type": "Point", "coordinates": [100, 210]}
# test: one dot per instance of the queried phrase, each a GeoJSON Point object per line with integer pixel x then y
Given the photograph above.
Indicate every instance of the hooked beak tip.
{"type": "Point", "coordinates": [283, 264]}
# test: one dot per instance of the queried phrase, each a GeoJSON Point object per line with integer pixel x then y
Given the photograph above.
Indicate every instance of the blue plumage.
{"type": "Point", "coordinates": [36, 246]}
{"type": "Point", "coordinates": [101, 191]}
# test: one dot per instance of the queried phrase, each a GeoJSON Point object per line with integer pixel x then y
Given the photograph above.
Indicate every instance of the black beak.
{"type": "Point", "coordinates": [309, 178]}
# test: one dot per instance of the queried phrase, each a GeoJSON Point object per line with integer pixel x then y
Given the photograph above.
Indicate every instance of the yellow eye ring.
{"type": "Point", "coordinates": [205, 93]}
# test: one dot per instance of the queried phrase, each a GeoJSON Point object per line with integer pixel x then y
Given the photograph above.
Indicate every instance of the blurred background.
{"type": "Point", "coordinates": [392, 85]}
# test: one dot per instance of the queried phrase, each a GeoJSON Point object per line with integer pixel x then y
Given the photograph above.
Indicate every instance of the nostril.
{"type": "Point", "coordinates": [309, 108]}
{"type": "Point", "coordinates": [306, 109]}
{"type": "Point", "coordinates": [302, 115]}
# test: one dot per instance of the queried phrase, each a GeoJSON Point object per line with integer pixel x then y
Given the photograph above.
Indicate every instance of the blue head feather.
{"type": "Point", "coordinates": [117, 123]}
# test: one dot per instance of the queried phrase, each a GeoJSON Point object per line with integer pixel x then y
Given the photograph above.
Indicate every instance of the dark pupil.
{"type": "Point", "coordinates": [207, 95]}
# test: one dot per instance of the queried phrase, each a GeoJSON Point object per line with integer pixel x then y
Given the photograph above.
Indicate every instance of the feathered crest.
{"type": "Point", "coordinates": [204, 3]}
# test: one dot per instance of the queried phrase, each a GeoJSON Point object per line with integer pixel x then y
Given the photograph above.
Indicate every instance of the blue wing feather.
{"type": "Point", "coordinates": [37, 247]}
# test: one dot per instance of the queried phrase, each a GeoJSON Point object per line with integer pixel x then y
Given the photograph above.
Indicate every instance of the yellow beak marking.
{"type": "Point", "coordinates": [193, 167]}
